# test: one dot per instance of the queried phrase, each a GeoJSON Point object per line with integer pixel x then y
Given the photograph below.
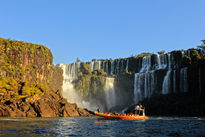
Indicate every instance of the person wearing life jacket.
{"type": "Point", "coordinates": [142, 110]}
{"type": "Point", "coordinates": [136, 110]}
{"type": "Point", "coordinates": [98, 110]}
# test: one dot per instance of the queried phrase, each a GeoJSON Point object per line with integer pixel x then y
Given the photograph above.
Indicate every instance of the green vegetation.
{"type": "Point", "coordinates": [32, 88]}
{"type": "Point", "coordinates": [186, 61]}
{"type": "Point", "coordinates": [11, 88]}
{"type": "Point", "coordinates": [161, 52]}
{"type": "Point", "coordinates": [201, 47]}
{"type": "Point", "coordinates": [17, 57]}
{"type": "Point", "coordinates": [27, 61]}
{"type": "Point", "coordinates": [144, 55]}
{"type": "Point", "coordinates": [77, 60]}
{"type": "Point", "coordinates": [194, 59]}
{"type": "Point", "coordinates": [8, 46]}
{"type": "Point", "coordinates": [89, 83]}
{"type": "Point", "coordinates": [85, 69]}
{"type": "Point", "coordinates": [195, 56]}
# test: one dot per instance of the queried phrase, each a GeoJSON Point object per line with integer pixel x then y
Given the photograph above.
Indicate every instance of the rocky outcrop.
{"type": "Point", "coordinates": [47, 105]}
{"type": "Point", "coordinates": [30, 84]}
{"type": "Point", "coordinates": [31, 62]}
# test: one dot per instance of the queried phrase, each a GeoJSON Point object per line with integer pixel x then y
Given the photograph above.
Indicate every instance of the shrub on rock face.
{"type": "Point", "coordinates": [161, 52]}
{"type": "Point", "coordinates": [85, 69]}
{"type": "Point", "coordinates": [27, 61]}
{"type": "Point", "coordinates": [77, 60]}
{"type": "Point", "coordinates": [99, 72]}
{"type": "Point", "coordinates": [144, 55]}
{"type": "Point", "coordinates": [202, 47]}
{"type": "Point", "coordinates": [30, 89]}
{"type": "Point", "coordinates": [186, 61]}
{"type": "Point", "coordinates": [195, 56]}
{"type": "Point", "coordinates": [88, 82]}
{"type": "Point", "coordinates": [11, 88]}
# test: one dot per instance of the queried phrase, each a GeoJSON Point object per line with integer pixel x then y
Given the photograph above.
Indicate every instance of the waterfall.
{"type": "Point", "coordinates": [203, 51]}
{"type": "Point", "coordinates": [188, 53]}
{"type": "Point", "coordinates": [110, 96]}
{"type": "Point", "coordinates": [112, 68]}
{"type": "Point", "coordinates": [174, 81]}
{"type": "Point", "coordinates": [107, 70]}
{"type": "Point", "coordinates": [99, 65]}
{"type": "Point", "coordinates": [146, 64]}
{"type": "Point", "coordinates": [156, 74]}
{"type": "Point", "coordinates": [144, 85]}
{"type": "Point", "coordinates": [137, 87]}
{"type": "Point", "coordinates": [127, 64]}
{"type": "Point", "coordinates": [70, 72]}
{"type": "Point", "coordinates": [145, 81]}
{"type": "Point", "coordinates": [118, 67]}
{"type": "Point", "coordinates": [158, 61]}
{"type": "Point", "coordinates": [166, 87]}
{"type": "Point", "coordinates": [92, 65]}
{"type": "Point", "coordinates": [163, 61]}
{"type": "Point", "coordinates": [95, 65]}
{"type": "Point", "coordinates": [104, 66]}
{"type": "Point", "coordinates": [169, 61]}
{"type": "Point", "coordinates": [182, 54]}
{"type": "Point", "coordinates": [200, 85]}
{"type": "Point", "coordinates": [183, 80]}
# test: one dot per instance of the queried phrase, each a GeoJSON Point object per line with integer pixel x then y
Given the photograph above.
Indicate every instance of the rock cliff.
{"type": "Point", "coordinates": [30, 84]}
{"type": "Point", "coordinates": [27, 61]}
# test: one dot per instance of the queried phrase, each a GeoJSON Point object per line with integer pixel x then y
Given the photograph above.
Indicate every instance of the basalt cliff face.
{"type": "Point", "coordinates": [30, 84]}
{"type": "Point", "coordinates": [31, 62]}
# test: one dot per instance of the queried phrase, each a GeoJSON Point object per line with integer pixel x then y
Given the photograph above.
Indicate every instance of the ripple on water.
{"type": "Point", "coordinates": [95, 126]}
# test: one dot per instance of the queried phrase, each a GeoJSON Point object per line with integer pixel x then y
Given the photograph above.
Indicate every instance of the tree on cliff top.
{"type": "Point", "coordinates": [202, 46]}
{"type": "Point", "coordinates": [85, 69]}
{"type": "Point", "coordinates": [77, 60]}
{"type": "Point", "coordinates": [144, 54]}
{"type": "Point", "coordinates": [161, 52]}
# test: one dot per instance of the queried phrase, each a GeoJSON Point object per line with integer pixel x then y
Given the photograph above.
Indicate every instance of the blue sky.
{"type": "Point", "coordinates": [104, 28]}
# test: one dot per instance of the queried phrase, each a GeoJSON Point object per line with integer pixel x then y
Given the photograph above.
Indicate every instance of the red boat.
{"type": "Point", "coordinates": [122, 116]}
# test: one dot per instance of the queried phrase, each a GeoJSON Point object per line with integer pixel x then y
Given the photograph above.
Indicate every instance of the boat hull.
{"type": "Point", "coordinates": [126, 117]}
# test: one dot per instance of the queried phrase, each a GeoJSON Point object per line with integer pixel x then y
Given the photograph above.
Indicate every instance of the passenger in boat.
{"type": "Point", "coordinates": [137, 109]}
{"type": "Point", "coordinates": [98, 110]}
{"type": "Point", "coordinates": [141, 107]}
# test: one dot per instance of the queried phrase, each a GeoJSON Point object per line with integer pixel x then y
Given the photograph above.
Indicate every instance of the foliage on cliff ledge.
{"type": "Point", "coordinates": [89, 82]}
{"type": "Point", "coordinates": [19, 58]}
{"type": "Point", "coordinates": [11, 88]}
{"type": "Point", "coordinates": [29, 62]}
{"type": "Point", "coordinates": [19, 46]}
{"type": "Point", "coordinates": [144, 54]}
{"type": "Point", "coordinates": [196, 58]}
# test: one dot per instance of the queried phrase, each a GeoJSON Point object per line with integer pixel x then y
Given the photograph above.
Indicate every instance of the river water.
{"type": "Point", "coordinates": [95, 126]}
